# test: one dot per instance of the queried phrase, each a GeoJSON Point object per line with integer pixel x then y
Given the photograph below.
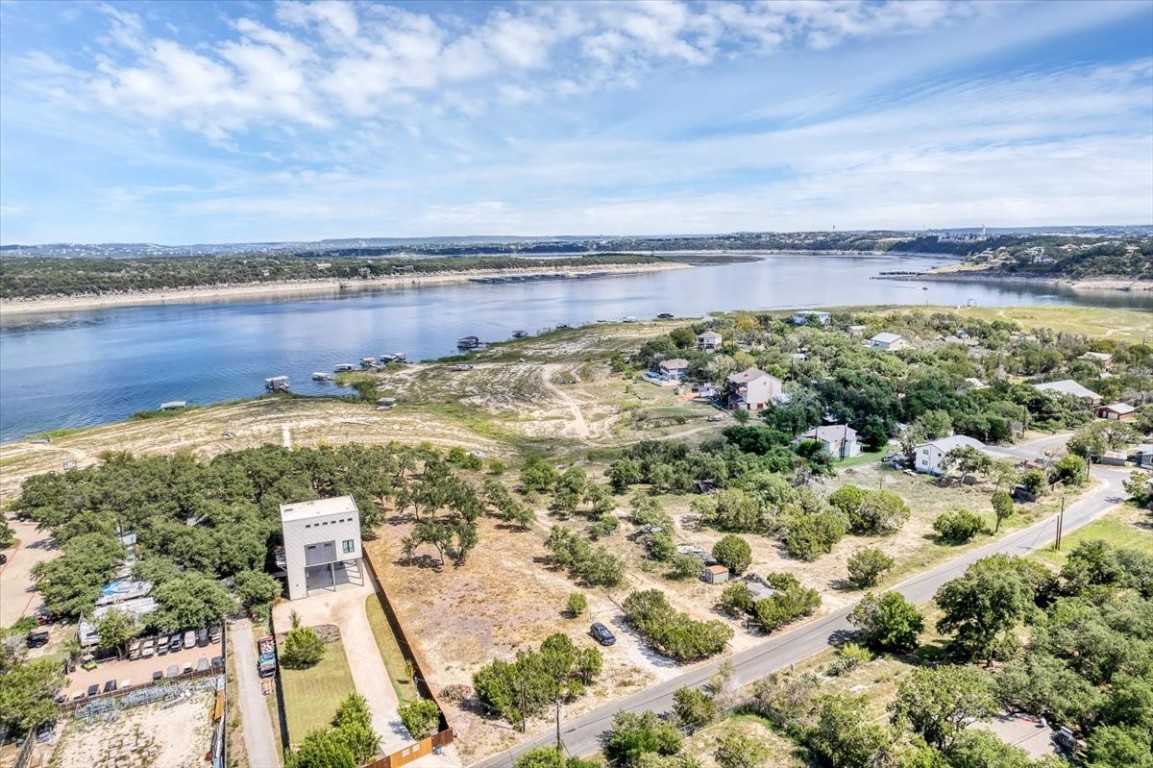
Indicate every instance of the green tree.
{"type": "Point", "coordinates": [737, 750]}
{"type": "Point", "coordinates": [957, 526]}
{"type": "Point", "coordinates": [549, 757]}
{"type": "Point", "coordinates": [323, 749]}
{"type": "Point", "coordinates": [938, 703]}
{"type": "Point", "coordinates": [70, 583]}
{"type": "Point", "coordinates": [537, 475]}
{"type": "Point", "coordinates": [808, 536]}
{"type": "Point", "coordinates": [1111, 746]}
{"type": "Point", "coordinates": [116, 629]}
{"type": "Point", "coordinates": [26, 694]}
{"type": "Point", "coordinates": [734, 553]}
{"type": "Point", "coordinates": [842, 735]}
{"type": "Point", "coordinates": [983, 606]}
{"type": "Point", "coordinates": [7, 535]}
{"type": "Point", "coordinates": [1139, 487]}
{"type": "Point", "coordinates": [303, 648]}
{"type": "Point", "coordinates": [790, 600]}
{"type": "Point", "coordinates": [1002, 507]}
{"type": "Point", "coordinates": [1071, 471]}
{"type": "Point", "coordinates": [867, 566]}
{"type": "Point", "coordinates": [693, 707]}
{"type": "Point", "coordinates": [878, 514]}
{"type": "Point", "coordinates": [634, 735]}
{"type": "Point", "coordinates": [194, 600]}
{"type": "Point", "coordinates": [353, 725]}
{"type": "Point", "coordinates": [256, 588]}
{"type": "Point", "coordinates": [981, 749]}
{"type": "Point", "coordinates": [420, 717]}
{"type": "Point", "coordinates": [968, 461]}
{"type": "Point", "coordinates": [888, 622]}
{"type": "Point", "coordinates": [576, 606]}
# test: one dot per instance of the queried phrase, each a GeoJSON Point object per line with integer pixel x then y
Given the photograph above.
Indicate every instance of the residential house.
{"type": "Point", "coordinates": [709, 341]}
{"type": "Point", "coordinates": [803, 318]}
{"type": "Point", "coordinates": [1069, 387]}
{"type": "Point", "coordinates": [1117, 412]}
{"type": "Point", "coordinates": [321, 544]}
{"type": "Point", "coordinates": [890, 342]}
{"type": "Point", "coordinates": [929, 456]}
{"type": "Point", "coordinates": [840, 440]}
{"type": "Point", "coordinates": [753, 389]}
{"type": "Point", "coordinates": [673, 370]}
{"type": "Point", "coordinates": [1103, 359]}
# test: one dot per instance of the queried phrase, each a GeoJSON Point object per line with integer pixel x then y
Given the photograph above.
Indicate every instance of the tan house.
{"type": "Point", "coordinates": [709, 341]}
{"type": "Point", "coordinates": [890, 342]}
{"type": "Point", "coordinates": [753, 389]}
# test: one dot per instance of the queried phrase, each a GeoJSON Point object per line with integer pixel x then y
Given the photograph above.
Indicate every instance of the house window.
{"type": "Point", "coordinates": [349, 546]}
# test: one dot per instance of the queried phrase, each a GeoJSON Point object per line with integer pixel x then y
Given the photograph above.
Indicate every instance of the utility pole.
{"type": "Point", "coordinates": [559, 745]}
{"type": "Point", "coordinates": [1060, 525]}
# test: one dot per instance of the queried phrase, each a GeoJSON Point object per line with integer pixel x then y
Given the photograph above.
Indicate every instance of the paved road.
{"type": "Point", "coordinates": [258, 738]}
{"type": "Point", "coordinates": [582, 735]}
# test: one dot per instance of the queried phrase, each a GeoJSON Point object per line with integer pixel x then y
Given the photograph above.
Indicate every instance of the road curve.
{"type": "Point", "coordinates": [582, 735]}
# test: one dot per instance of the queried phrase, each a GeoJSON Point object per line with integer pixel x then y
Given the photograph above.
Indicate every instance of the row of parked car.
{"type": "Point", "coordinates": [147, 647]}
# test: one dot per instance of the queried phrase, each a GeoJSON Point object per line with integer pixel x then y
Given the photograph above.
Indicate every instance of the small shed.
{"type": "Point", "coordinates": [1113, 458]}
{"type": "Point", "coordinates": [715, 574]}
{"type": "Point", "coordinates": [1117, 412]}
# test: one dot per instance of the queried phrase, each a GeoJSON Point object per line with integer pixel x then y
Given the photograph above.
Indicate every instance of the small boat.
{"type": "Point", "coordinates": [386, 402]}
{"type": "Point", "coordinates": [367, 363]}
{"type": "Point", "coordinates": [520, 334]}
{"type": "Point", "coordinates": [467, 342]}
{"type": "Point", "coordinates": [276, 384]}
{"type": "Point", "coordinates": [344, 368]}
{"type": "Point", "coordinates": [173, 405]}
{"type": "Point", "coordinates": [321, 376]}
{"type": "Point", "coordinates": [395, 357]}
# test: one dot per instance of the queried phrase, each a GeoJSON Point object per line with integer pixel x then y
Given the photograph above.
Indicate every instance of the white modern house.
{"type": "Point", "coordinates": [753, 389]}
{"type": "Point", "coordinates": [930, 455]}
{"type": "Point", "coordinates": [709, 341]}
{"type": "Point", "coordinates": [321, 544]}
{"type": "Point", "coordinates": [890, 342]}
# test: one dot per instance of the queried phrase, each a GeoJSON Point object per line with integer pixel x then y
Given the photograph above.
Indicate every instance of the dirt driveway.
{"type": "Point", "coordinates": [345, 609]}
{"type": "Point", "coordinates": [17, 595]}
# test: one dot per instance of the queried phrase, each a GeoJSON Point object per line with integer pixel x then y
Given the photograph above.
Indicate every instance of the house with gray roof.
{"type": "Point", "coordinates": [674, 369]}
{"type": "Point", "coordinates": [840, 440]}
{"type": "Point", "coordinates": [890, 342]}
{"type": "Point", "coordinates": [1069, 387]}
{"type": "Point", "coordinates": [929, 456]}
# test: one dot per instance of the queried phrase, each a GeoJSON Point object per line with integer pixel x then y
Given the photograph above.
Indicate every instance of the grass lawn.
{"type": "Point", "coordinates": [1125, 526]}
{"type": "Point", "coordinates": [1118, 324]}
{"type": "Point", "coordinates": [390, 652]}
{"type": "Point", "coordinates": [866, 457]}
{"type": "Point", "coordinates": [311, 696]}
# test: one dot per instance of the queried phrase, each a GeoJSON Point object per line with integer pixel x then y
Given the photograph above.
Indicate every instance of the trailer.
{"type": "Point", "coordinates": [266, 663]}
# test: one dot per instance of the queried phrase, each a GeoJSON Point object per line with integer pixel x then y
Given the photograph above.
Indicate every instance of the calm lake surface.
{"type": "Point", "coordinates": [97, 366]}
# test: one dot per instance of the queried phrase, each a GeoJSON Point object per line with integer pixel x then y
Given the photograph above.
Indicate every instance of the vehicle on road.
{"type": "Point", "coordinates": [602, 634]}
{"type": "Point", "coordinates": [110, 686]}
{"type": "Point", "coordinates": [93, 689]}
{"type": "Point", "coordinates": [37, 638]}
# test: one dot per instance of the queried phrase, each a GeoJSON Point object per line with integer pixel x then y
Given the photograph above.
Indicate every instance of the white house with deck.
{"type": "Point", "coordinates": [673, 370]}
{"type": "Point", "coordinates": [840, 440]}
{"type": "Point", "coordinates": [929, 456]}
{"type": "Point", "coordinates": [321, 544]}
{"type": "Point", "coordinates": [709, 341]}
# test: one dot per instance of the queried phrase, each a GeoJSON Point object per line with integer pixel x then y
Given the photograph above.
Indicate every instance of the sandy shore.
{"type": "Point", "coordinates": [9, 308]}
{"type": "Point", "coordinates": [1086, 285]}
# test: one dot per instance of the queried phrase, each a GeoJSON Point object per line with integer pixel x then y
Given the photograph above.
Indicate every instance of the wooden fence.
{"type": "Point", "coordinates": [413, 751]}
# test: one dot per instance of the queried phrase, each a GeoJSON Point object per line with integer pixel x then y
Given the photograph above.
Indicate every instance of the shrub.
{"type": "Point", "coordinates": [693, 707]}
{"type": "Point", "coordinates": [303, 648]}
{"type": "Point", "coordinates": [606, 526]}
{"type": "Point", "coordinates": [684, 566]}
{"type": "Point", "coordinates": [1070, 470]}
{"type": "Point", "coordinates": [849, 657]}
{"type": "Point", "coordinates": [734, 553]}
{"type": "Point", "coordinates": [958, 526]}
{"type": "Point", "coordinates": [867, 566]}
{"type": "Point", "coordinates": [736, 599]}
{"type": "Point", "coordinates": [577, 604]}
{"type": "Point", "coordinates": [672, 632]}
{"type": "Point", "coordinates": [807, 537]}
{"type": "Point", "coordinates": [420, 717]}
{"type": "Point", "coordinates": [1034, 482]}
{"type": "Point", "coordinates": [634, 735]}
{"type": "Point", "coordinates": [790, 601]}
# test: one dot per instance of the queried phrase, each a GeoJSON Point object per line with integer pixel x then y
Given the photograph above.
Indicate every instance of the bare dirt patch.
{"type": "Point", "coordinates": [154, 736]}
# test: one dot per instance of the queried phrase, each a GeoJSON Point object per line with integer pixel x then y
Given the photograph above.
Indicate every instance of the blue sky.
{"type": "Point", "coordinates": [196, 122]}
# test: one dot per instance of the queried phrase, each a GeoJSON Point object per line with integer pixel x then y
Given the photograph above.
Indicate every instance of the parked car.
{"type": "Point", "coordinates": [202, 664]}
{"type": "Point", "coordinates": [93, 689]}
{"type": "Point", "coordinates": [110, 686]}
{"type": "Point", "coordinates": [173, 671]}
{"type": "Point", "coordinates": [3, 558]}
{"type": "Point", "coordinates": [37, 638]}
{"type": "Point", "coordinates": [602, 634]}
{"type": "Point", "coordinates": [44, 617]}
{"type": "Point", "coordinates": [176, 643]}
{"type": "Point", "coordinates": [157, 675]}
{"type": "Point", "coordinates": [202, 638]}
{"type": "Point", "coordinates": [217, 662]}
{"type": "Point", "coordinates": [214, 634]}
{"type": "Point", "coordinates": [190, 638]}
{"type": "Point", "coordinates": [46, 731]}
{"type": "Point", "coordinates": [147, 648]}
{"type": "Point", "coordinates": [162, 646]}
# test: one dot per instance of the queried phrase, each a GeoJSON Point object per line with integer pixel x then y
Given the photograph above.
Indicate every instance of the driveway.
{"type": "Point", "coordinates": [582, 735]}
{"type": "Point", "coordinates": [258, 739]}
{"type": "Point", "coordinates": [18, 597]}
{"type": "Point", "coordinates": [345, 609]}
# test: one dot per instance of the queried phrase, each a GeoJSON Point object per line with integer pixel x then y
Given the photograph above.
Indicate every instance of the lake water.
{"type": "Point", "coordinates": [97, 366]}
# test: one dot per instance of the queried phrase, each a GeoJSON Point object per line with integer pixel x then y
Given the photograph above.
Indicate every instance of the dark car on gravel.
{"type": "Point", "coordinates": [602, 634]}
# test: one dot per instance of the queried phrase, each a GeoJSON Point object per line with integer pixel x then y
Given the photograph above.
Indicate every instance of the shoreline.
{"type": "Point", "coordinates": [1077, 285]}
{"type": "Point", "coordinates": [321, 287]}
